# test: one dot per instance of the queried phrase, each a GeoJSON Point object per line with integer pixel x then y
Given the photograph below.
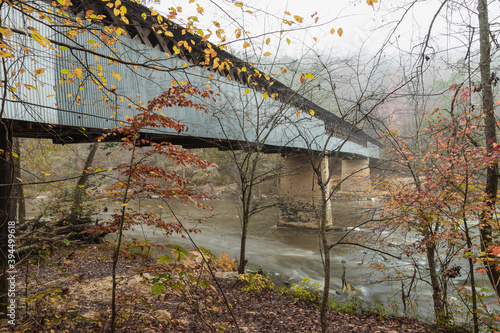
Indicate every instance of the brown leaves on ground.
{"type": "Point", "coordinates": [80, 280]}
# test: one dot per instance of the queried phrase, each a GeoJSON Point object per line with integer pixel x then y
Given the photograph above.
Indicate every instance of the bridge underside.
{"type": "Point", "coordinates": [60, 134]}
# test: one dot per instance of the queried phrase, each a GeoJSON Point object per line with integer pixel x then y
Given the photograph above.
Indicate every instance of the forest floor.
{"type": "Point", "coordinates": [70, 292]}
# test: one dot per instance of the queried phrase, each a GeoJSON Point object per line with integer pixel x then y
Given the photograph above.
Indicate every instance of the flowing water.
{"type": "Point", "coordinates": [285, 254]}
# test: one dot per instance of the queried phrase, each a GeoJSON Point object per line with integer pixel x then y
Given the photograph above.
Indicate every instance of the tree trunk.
{"type": "Point", "coordinates": [21, 203]}
{"type": "Point", "coordinates": [243, 261]}
{"type": "Point", "coordinates": [437, 293]}
{"type": "Point", "coordinates": [76, 207]}
{"type": "Point", "coordinates": [326, 220]}
{"type": "Point", "coordinates": [5, 189]}
{"type": "Point", "coordinates": [491, 187]}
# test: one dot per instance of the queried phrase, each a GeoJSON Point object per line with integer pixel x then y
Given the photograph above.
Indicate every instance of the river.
{"type": "Point", "coordinates": [289, 255]}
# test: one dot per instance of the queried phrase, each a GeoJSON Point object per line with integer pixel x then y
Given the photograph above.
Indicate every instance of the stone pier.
{"type": "Point", "coordinates": [300, 194]}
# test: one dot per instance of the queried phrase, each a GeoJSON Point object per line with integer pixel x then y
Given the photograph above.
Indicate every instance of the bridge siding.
{"type": "Point", "coordinates": [94, 113]}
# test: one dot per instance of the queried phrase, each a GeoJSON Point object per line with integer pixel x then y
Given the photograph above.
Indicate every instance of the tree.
{"type": "Point", "coordinates": [136, 175]}
{"type": "Point", "coordinates": [490, 122]}
{"type": "Point", "coordinates": [356, 100]}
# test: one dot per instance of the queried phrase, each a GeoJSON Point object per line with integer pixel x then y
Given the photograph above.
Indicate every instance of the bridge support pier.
{"type": "Point", "coordinates": [300, 194]}
{"type": "Point", "coordinates": [356, 174]}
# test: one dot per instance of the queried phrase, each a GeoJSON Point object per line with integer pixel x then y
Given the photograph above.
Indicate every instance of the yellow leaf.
{"type": "Point", "coordinates": [144, 16]}
{"type": "Point", "coordinates": [247, 91]}
{"type": "Point", "coordinates": [332, 31]}
{"type": "Point", "coordinates": [298, 113]}
{"type": "Point", "coordinates": [246, 44]}
{"type": "Point", "coordinates": [265, 95]}
{"type": "Point", "coordinates": [210, 77]}
{"type": "Point", "coordinates": [64, 71]}
{"type": "Point", "coordinates": [176, 49]}
{"type": "Point", "coordinates": [298, 18]}
{"type": "Point", "coordinates": [287, 13]}
{"type": "Point", "coordinates": [288, 41]}
{"type": "Point", "coordinates": [243, 69]}
{"type": "Point", "coordinates": [268, 40]}
{"type": "Point", "coordinates": [125, 204]}
{"type": "Point", "coordinates": [340, 31]}
{"type": "Point", "coordinates": [311, 112]}
{"type": "Point", "coordinates": [39, 71]}
{"type": "Point", "coordinates": [239, 4]}
{"type": "Point", "coordinates": [77, 71]}
{"type": "Point", "coordinates": [117, 76]}
{"type": "Point", "coordinates": [14, 154]}
{"type": "Point", "coordinates": [309, 76]}
{"type": "Point", "coordinates": [267, 54]}
{"type": "Point", "coordinates": [371, 2]}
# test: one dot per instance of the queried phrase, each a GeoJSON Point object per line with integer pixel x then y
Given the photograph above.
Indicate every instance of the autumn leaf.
{"type": "Point", "coordinates": [239, 4]}
{"type": "Point", "coordinates": [287, 13]}
{"type": "Point", "coordinates": [371, 2]}
{"type": "Point", "coordinates": [340, 32]}
{"type": "Point", "coordinates": [247, 91]}
{"type": "Point", "coordinates": [311, 112]}
{"type": "Point", "coordinates": [309, 75]}
{"type": "Point", "coordinates": [117, 76]}
{"type": "Point", "coordinates": [39, 71]}
{"type": "Point", "coordinates": [268, 40]}
{"type": "Point", "coordinates": [288, 41]}
{"type": "Point", "coordinates": [267, 54]}
{"type": "Point", "coordinates": [297, 113]}
{"type": "Point", "coordinates": [246, 44]}
{"type": "Point", "coordinates": [265, 95]}
{"type": "Point", "coordinates": [299, 18]}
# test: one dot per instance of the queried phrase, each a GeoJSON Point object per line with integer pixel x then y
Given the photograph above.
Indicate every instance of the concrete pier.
{"type": "Point", "coordinates": [300, 193]}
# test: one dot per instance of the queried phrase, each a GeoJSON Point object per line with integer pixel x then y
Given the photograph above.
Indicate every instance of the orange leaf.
{"type": "Point", "coordinates": [117, 76]}
{"type": "Point", "coordinates": [340, 31]}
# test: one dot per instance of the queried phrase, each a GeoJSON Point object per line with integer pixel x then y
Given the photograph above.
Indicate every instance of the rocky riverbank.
{"type": "Point", "coordinates": [70, 291]}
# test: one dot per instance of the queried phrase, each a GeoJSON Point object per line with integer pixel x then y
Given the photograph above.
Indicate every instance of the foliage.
{"type": "Point", "coordinates": [255, 282]}
{"type": "Point", "coordinates": [440, 202]}
{"type": "Point", "coordinates": [305, 291]}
